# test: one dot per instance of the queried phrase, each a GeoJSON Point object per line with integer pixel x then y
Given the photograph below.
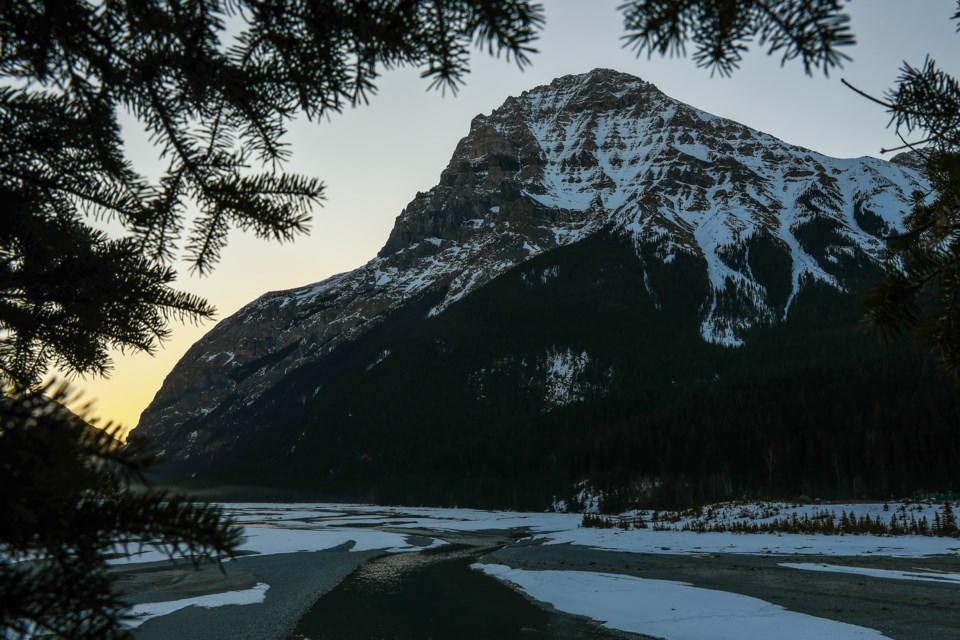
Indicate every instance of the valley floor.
{"type": "Point", "coordinates": [575, 582]}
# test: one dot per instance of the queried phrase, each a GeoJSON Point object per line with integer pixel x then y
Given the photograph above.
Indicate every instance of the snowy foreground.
{"type": "Point", "coordinates": [662, 608]}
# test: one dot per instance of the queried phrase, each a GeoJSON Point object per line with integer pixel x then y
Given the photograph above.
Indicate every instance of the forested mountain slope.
{"type": "Point", "coordinates": [605, 285]}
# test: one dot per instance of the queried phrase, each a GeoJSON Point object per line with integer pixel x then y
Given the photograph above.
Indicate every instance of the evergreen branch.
{"type": "Point", "coordinates": [721, 29]}
{"type": "Point", "coordinates": [68, 293]}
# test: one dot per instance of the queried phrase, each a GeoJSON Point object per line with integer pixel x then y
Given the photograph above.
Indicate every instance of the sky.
{"type": "Point", "coordinates": [376, 157]}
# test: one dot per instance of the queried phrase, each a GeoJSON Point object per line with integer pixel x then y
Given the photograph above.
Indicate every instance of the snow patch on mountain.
{"type": "Point", "coordinates": [564, 369]}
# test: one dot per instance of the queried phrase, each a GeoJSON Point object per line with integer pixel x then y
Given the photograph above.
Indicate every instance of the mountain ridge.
{"type": "Point", "coordinates": [590, 153]}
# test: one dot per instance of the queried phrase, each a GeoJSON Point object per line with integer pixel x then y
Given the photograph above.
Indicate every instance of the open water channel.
{"type": "Point", "coordinates": [435, 595]}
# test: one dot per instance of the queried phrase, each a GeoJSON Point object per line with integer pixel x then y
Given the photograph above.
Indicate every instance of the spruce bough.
{"type": "Point", "coordinates": [216, 104]}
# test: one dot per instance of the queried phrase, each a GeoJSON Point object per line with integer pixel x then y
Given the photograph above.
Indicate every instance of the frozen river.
{"type": "Point", "coordinates": [356, 572]}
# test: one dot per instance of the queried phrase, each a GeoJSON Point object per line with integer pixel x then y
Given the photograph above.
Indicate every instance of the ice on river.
{"type": "Point", "coordinates": [671, 610]}
{"type": "Point", "coordinates": [889, 574]}
{"type": "Point", "coordinates": [287, 537]}
{"type": "Point", "coordinates": [657, 607]}
{"type": "Point", "coordinates": [145, 611]}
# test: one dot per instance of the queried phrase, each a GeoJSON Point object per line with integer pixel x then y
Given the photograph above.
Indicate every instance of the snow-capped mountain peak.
{"type": "Point", "coordinates": [602, 151]}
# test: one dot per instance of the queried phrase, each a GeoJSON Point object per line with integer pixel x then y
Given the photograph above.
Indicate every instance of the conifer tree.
{"type": "Point", "coordinates": [921, 293]}
{"type": "Point", "coordinates": [948, 523]}
{"type": "Point", "coordinates": [69, 504]}
{"type": "Point", "coordinates": [216, 104]}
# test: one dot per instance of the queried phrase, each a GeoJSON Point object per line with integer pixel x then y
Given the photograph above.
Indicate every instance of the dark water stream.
{"type": "Point", "coordinates": [434, 596]}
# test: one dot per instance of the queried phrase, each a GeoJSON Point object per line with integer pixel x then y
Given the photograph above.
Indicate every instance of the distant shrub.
{"type": "Point", "coordinates": [762, 517]}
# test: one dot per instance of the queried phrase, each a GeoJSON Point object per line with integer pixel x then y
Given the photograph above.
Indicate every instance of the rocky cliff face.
{"type": "Point", "coordinates": [599, 151]}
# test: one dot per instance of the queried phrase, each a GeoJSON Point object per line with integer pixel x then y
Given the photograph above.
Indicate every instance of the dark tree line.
{"type": "Point", "coordinates": [457, 413]}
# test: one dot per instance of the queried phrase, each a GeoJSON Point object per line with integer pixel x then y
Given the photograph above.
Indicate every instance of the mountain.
{"type": "Point", "coordinates": [596, 260]}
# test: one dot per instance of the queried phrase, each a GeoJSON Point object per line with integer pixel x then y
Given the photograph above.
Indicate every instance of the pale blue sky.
{"type": "Point", "coordinates": [375, 158]}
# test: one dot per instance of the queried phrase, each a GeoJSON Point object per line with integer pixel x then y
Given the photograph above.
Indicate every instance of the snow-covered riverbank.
{"type": "Point", "coordinates": [566, 578]}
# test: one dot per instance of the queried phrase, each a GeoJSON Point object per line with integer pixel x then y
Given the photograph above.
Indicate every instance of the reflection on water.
{"type": "Point", "coordinates": [386, 575]}
{"type": "Point", "coordinates": [433, 596]}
